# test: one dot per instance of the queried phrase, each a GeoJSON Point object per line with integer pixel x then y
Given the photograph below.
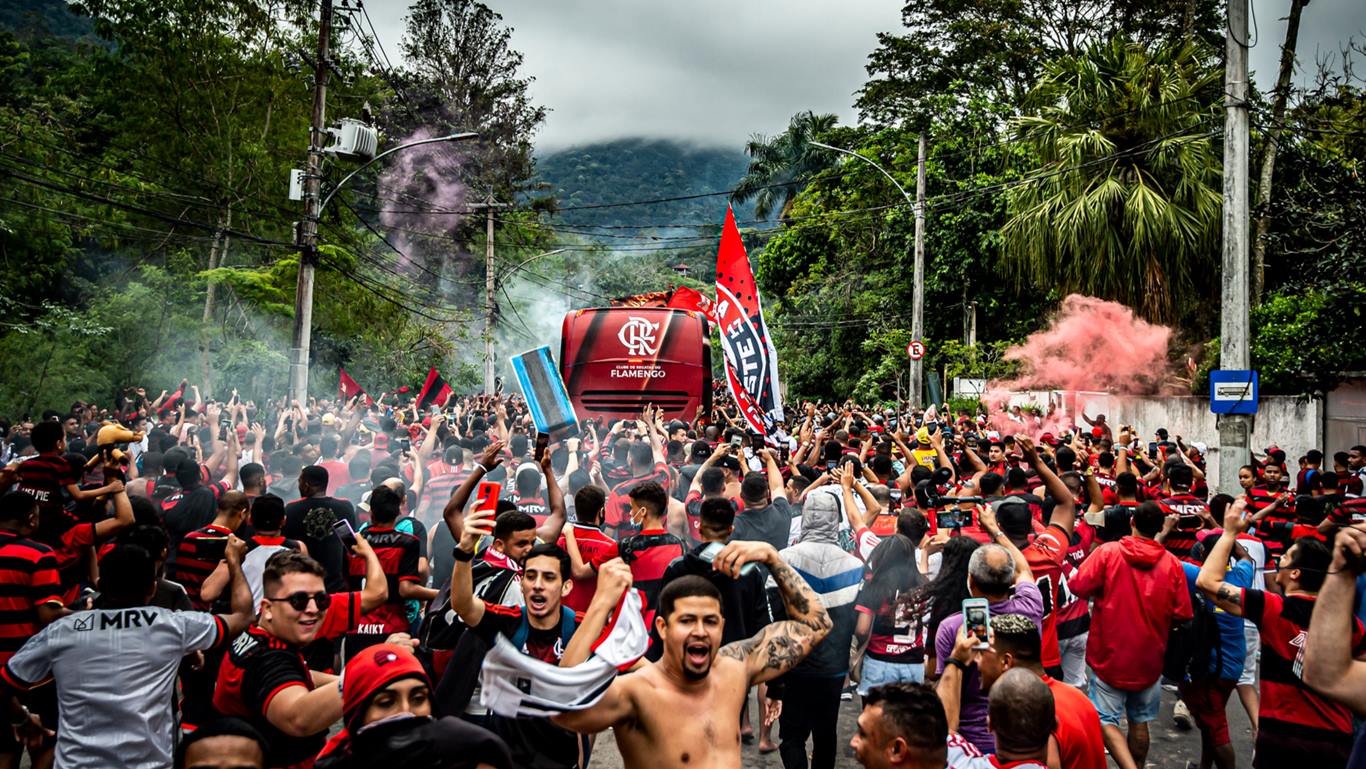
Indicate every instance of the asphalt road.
{"type": "Point", "coordinates": [1170, 747]}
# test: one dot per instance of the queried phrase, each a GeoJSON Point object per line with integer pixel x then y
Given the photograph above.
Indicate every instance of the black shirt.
{"type": "Point", "coordinates": [310, 521]}
{"type": "Point", "coordinates": [772, 524]}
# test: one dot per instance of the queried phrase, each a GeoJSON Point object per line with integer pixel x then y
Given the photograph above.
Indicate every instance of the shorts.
{"type": "Point", "coordinates": [1253, 637]}
{"type": "Point", "coordinates": [1113, 704]}
{"type": "Point", "coordinates": [1207, 701]}
{"type": "Point", "coordinates": [1073, 653]}
{"type": "Point", "coordinates": [879, 672]}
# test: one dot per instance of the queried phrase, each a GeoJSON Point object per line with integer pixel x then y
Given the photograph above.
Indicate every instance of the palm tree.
{"type": "Point", "coordinates": [780, 166]}
{"type": "Point", "coordinates": [1126, 203]}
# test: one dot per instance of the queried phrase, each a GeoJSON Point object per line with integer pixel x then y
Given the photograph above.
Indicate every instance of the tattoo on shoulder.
{"type": "Point", "coordinates": [740, 650]}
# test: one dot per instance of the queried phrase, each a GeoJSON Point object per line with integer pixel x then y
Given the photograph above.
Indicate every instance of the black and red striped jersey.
{"type": "Point", "coordinates": [28, 579]}
{"type": "Point", "coordinates": [45, 477]}
{"type": "Point", "coordinates": [1289, 706]}
{"type": "Point", "coordinates": [398, 555]}
{"type": "Point", "coordinates": [197, 556]}
{"type": "Point", "coordinates": [1191, 512]}
{"type": "Point", "coordinates": [648, 554]}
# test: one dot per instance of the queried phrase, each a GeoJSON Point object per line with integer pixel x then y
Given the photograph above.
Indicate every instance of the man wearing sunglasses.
{"type": "Point", "coordinates": [265, 678]}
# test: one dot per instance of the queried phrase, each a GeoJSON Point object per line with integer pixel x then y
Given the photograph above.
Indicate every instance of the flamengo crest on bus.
{"type": "Point", "coordinates": [639, 337]}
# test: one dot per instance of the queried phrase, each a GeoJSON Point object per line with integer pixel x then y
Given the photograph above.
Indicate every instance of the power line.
{"type": "Point", "coordinates": [144, 211]}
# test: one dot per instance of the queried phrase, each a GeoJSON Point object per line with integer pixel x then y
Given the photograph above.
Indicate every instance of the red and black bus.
{"type": "Point", "coordinates": [618, 360]}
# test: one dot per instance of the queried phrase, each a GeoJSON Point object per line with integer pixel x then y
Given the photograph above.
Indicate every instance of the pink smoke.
{"type": "Point", "coordinates": [1090, 345]}
{"type": "Point", "coordinates": [419, 189]}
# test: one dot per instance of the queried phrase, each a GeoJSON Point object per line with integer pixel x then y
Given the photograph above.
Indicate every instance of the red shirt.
{"type": "Point", "coordinates": [596, 548]}
{"type": "Point", "coordinates": [618, 511]}
{"type": "Point", "coordinates": [1045, 556]}
{"type": "Point", "coordinates": [1080, 743]}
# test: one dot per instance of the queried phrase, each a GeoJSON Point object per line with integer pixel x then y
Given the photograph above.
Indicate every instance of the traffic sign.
{"type": "Point", "coordinates": [1233, 392]}
{"type": "Point", "coordinates": [916, 349]}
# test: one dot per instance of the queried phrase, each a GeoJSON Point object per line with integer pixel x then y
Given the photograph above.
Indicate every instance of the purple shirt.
{"type": "Point", "coordinates": [972, 711]}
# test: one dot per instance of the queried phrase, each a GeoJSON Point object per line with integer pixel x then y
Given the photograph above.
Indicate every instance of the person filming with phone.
{"type": "Point", "coordinates": [1000, 582]}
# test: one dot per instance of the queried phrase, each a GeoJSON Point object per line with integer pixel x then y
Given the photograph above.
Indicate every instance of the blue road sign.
{"type": "Point", "coordinates": [1233, 392]}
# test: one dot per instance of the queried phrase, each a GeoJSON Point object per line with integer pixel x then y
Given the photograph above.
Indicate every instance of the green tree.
{"type": "Point", "coordinates": [1126, 202]}
{"type": "Point", "coordinates": [780, 166]}
{"type": "Point", "coordinates": [963, 48]}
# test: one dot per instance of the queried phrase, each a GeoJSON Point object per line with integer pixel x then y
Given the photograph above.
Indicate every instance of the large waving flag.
{"type": "Point", "coordinates": [751, 359]}
{"type": "Point", "coordinates": [435, 391]}
{"type": "Point", "coordinates": [348, 388]}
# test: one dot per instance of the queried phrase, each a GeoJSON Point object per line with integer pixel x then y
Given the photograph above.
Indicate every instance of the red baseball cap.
{"type": "Point", "coordinates": [1048, 438]}
{"type": "Point", "coordinates": [369, 672]}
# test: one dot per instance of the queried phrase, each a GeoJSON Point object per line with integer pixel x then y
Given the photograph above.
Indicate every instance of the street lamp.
{"type": "Point", "coordinates": [303, 290]}
{"type": "Point", "coordinates": [918, 274]}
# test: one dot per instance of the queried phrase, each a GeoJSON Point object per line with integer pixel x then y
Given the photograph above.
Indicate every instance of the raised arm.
{"type": "Point", "coordinates": [1211, 578]}
{"type": "Point", "coordinates": [1065, 507]}
{"type": "Point", "coordinates": [454, 511]}
{"type": "Point", "coordinates": [376, 590]}
{"type": "Point", "coordinates": [242, 611]}
{"type": "Point", "coordinates": [613, 582]}
{"type": "Point", "coordinates": [554, 523]}
{"type": "Point", "coordinates": [775, 475]}
{"type": "Point", "coordinates": [780, 646]}
{"type": "Point", "coordinates": [986, 518]}
{"type": "Point", "coordinates": [469, 606]}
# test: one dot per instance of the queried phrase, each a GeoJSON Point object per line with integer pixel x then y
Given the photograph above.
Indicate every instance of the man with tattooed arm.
{"type": "Point", "coordinates": [683, 712]}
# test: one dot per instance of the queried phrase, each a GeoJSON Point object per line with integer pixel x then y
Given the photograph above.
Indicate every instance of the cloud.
{"type": "Point", "coordinates": [710, 71]}
{"type": "Point", "coordinates": [715, 71]}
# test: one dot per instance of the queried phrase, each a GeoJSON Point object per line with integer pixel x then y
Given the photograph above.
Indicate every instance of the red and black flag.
{"type": "Point", "coordinates": [751, 359]}
{"type": "Point", "coordinates": [348, 388]}
{"type": "Point", "coordinates": [172, 403]}
{"type": "Point", "coordinates": [435, 391]}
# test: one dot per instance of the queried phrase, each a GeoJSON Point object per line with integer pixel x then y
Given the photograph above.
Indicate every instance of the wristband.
{"type": "Point", "coordinates": [957, 663]}
{"type": "Point", "coordinates": [481, 467]}
{"type": "Point", "coordinates": [461, 556]}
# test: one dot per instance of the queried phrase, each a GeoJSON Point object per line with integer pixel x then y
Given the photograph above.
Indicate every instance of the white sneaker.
{"type": "Point", "coordinates": [1181, 716]}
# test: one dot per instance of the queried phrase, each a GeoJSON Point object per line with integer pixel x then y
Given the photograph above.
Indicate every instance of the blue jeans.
{"type": "Point", "coordinates": [1114, 704]}
{"type": "Point", "coordinates": [879, 672]}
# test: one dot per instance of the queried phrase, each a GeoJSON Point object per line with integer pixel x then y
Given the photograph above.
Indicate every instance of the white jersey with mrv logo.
{"type": "Point", "coordinates": [115, 672]}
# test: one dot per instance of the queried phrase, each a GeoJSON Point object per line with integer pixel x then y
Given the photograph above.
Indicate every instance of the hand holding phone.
{"type": "Point", "coordinates": [342, 528]}
{"type": "Point", "coordinates": [977, 620]}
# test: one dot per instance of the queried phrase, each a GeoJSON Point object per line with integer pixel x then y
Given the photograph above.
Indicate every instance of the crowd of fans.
{"type": "Point", "coordinates": [194, 582]}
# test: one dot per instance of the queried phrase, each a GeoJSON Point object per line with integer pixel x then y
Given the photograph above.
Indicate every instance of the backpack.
{"type": "Point", "coordinates": [568, 624]}
{"type": "Point", "coordinates": [1194, 652]}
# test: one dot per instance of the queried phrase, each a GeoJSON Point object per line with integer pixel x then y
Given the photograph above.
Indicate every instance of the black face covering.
{"type": "Point", "coordinates": [421, 742]}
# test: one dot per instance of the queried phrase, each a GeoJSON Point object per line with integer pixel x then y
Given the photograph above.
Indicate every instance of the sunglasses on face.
{"type": "Point", "coordinates": [299, 601]}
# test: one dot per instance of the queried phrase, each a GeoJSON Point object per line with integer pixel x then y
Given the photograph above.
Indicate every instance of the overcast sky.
{"type": "Point", "coordinates": [715, 71]}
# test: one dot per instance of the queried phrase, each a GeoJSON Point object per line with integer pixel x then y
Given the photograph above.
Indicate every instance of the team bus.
{"type": "Point", "coordinates": [618, 360]}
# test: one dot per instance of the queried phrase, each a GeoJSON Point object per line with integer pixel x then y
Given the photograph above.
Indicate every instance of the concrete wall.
{"type": "Point", "coordinates": [1293, 423]}
{"type": "Point", "coordinates": [1347, 415]}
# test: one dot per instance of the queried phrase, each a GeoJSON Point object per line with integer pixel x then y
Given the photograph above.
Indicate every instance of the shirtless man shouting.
{"type": "Point", "coordinates": [683, 712]}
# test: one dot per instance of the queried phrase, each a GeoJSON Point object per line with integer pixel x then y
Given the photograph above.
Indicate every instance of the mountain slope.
{"type": "Point", "coordinates": [643, 169]}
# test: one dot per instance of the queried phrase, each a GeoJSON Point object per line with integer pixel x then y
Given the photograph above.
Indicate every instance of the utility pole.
{"type": "Point", "coordinates": [918, 276]}
{"type": "Point", "coordinates": [490, 287]}
{"type": "Point", "coordinates": [308, 228]}
{"type": "Point", "coordinates": [1235, 430]}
